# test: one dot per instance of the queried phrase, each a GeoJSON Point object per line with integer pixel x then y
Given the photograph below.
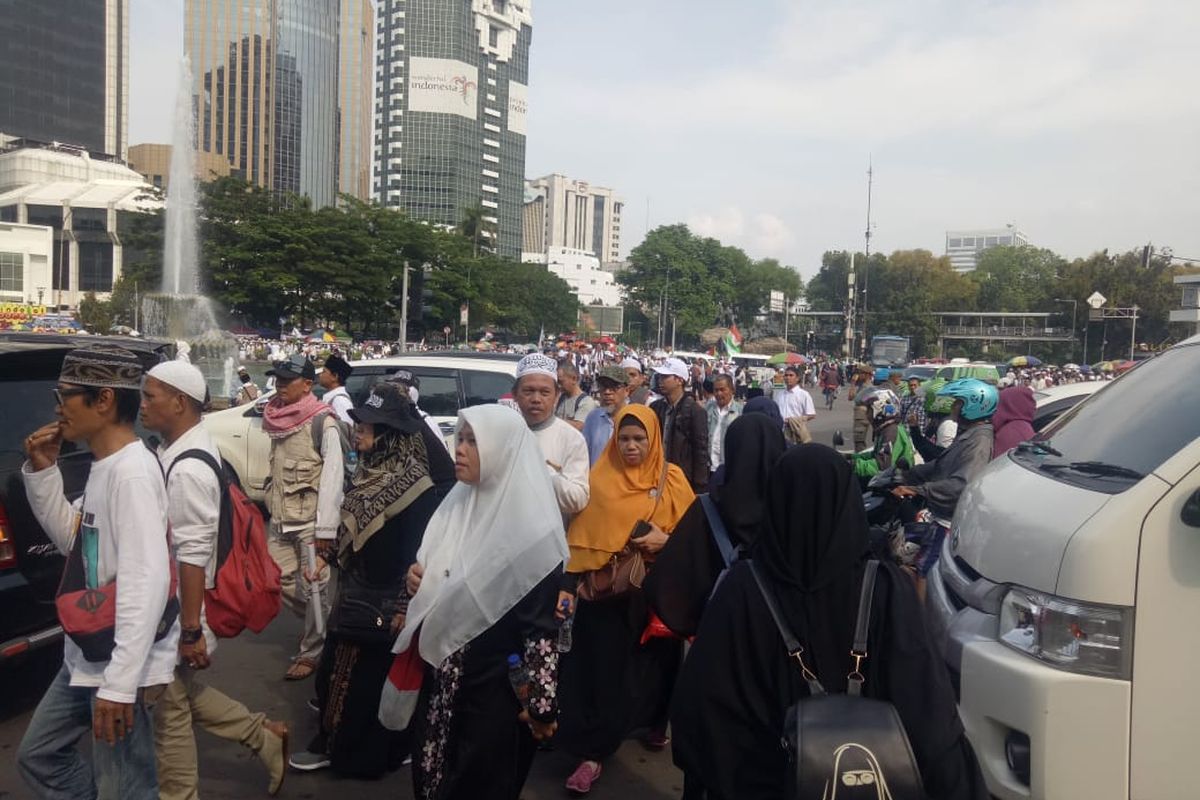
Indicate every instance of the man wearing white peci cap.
{"type": "Point", "coordinates": [173, 396]}
{"type": "Point", "coordinates": [564, 448]}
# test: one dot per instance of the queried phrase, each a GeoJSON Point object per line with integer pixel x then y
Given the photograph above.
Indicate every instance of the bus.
{"type": "Point", "coordinates": [889, 351]}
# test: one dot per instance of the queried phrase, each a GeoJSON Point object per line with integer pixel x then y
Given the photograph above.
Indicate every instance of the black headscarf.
{"type": "Point", "coordinates": [752, 446]}
{"type": "Point", "coordinates": [687, 568]}
{"type": "Point", "coordinates": [764, 405]}
{"type": "Point", "coordinates": [737, 682]}
{"type": "Point", "coordinates": [815, 528]}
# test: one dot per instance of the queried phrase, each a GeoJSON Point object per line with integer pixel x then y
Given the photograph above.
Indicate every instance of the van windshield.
{"type": "Point", "coordinates": [1127, 430]}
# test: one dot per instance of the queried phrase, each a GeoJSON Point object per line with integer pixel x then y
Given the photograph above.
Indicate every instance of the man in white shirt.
{"type": "Point", "coordinates": [564, 448]}
{"type": "Point", "coordinates": [115, 534]}
{"type": "Point", "coordinates": [173, 398]}
{"type": "Point", "coordinates": [333, 379]}
{"type": "Point", "coordinates": [794, 401]}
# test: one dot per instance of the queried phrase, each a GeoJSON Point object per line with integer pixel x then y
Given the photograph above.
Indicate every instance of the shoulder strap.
{"type": "Point", "coordinates": [200, 455]}
{"type": "Point", "coordinates": [717, 526]}
{"type": "Point", "coordinates": [862, 626]}
{"type": "Point", "coordinates": [318, 427]}
{"type": "Point", "coordinates": [794, 648]}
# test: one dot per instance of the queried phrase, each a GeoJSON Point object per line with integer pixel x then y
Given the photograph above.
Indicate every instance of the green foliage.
{"type": "Point", "coordinates": [95, 315]}
{"type": "Point", "coordinates": [265, 256]}
{"type": "Point", "coordinates": [704, 281]}
{"type": "Point", "coordinates": [1016, 278]}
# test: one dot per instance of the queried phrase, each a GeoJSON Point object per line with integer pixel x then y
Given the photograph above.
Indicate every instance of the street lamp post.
{"type": "Point", "coordinates": [1074, 334]}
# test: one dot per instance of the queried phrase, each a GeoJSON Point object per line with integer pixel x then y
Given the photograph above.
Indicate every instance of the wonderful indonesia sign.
{"type": "Point", "coordinates": [443, 86]}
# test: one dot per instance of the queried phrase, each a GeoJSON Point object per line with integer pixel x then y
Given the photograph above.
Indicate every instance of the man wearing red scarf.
{"type": "Point", "coordinates": [304, 497]}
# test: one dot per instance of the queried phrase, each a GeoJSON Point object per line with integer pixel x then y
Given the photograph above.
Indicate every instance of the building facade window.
{"type": "Point", "coordinates": [12, 273]}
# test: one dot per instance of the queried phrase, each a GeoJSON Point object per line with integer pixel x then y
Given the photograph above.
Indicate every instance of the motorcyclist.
{"type": "Point", "coordinates": [862, 420]}
{"type": "Point", "coordinates": [941, 481]}
{"type": "Point", "coordinates": [893, 445]}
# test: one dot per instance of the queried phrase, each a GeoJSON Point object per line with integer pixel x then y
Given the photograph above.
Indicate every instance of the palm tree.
{"type": "Point", "coordinates": [478, 228]}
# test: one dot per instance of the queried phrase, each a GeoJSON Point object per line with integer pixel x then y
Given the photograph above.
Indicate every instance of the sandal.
{"type": "Point", "coordinates": [300, 669]}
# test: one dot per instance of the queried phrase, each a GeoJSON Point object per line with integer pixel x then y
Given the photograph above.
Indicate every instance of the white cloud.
{"type": "Point", "coordinates": [761, 235]}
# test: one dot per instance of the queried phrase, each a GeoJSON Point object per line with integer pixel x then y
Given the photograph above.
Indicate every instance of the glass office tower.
{"type": "Point", "coordinates": [450, 111]}
{"type": "Point", "coordinates": [64, 72]}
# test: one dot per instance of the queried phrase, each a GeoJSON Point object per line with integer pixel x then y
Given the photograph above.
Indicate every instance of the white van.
{"type": "Point", "coordinates": [1067, 597]}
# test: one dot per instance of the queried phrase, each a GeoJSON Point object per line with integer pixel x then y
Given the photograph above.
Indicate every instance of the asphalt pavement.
{"type": "Point", "coordinates": [250, 669]}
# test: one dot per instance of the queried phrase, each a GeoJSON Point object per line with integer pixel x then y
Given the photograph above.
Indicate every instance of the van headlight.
{"type": "Point", "coordinates": [1078, 637]}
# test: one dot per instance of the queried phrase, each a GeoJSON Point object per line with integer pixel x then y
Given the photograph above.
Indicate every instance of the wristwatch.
{"type": "Point", "coordinates": [190, 635]}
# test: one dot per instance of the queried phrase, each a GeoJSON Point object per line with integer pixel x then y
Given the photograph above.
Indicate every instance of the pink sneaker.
{"type": "Point", "coordinates": [583, 777]}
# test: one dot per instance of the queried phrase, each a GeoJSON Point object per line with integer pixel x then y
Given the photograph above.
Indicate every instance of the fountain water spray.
{"type": "Point", "coordinates": [180, 311]}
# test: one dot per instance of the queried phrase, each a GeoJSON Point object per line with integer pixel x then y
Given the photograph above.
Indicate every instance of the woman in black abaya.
{"type": "Point", "coordinates": [688, 567]}
{"type": "Point", "coordinates": [738, 681]}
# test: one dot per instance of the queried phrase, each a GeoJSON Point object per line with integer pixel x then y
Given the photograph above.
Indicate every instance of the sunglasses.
{"type": "Point", "coordinates": [61, 395]}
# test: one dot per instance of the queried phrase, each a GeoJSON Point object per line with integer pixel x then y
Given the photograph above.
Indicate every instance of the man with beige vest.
{"type": "Point", "coordinates": [304, 497]}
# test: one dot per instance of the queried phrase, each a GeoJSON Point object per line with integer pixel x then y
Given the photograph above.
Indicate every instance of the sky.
{"type": "Point", "coordinates": [754, 122]}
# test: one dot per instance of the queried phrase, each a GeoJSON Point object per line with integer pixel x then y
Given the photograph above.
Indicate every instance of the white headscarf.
{"type": "Point", "coordinates": [488, 544]}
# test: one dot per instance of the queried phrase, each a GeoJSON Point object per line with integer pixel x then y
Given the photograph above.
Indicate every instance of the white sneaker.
{"type": "Point", "coordinates": [309, 762]}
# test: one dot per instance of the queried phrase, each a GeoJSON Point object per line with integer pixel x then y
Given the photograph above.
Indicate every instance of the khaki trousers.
{"type": "Point", "coordinates": [288, 550]}
{"type": "Point", "coordinates": [187, 702]}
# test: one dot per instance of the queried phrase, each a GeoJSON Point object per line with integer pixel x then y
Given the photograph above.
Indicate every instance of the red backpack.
{"type": "Point", "coordinates": [246, 592]}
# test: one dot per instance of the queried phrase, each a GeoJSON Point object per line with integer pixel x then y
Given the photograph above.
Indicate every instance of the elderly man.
{"type": "Point", "coordinates": [614, 395]}
{"type": "Point", "coordinates": [536, 392]}
{"type": "Point", "coordinates": [722, 410]}
{"type": "Point", "coordinates": [304, 496]}
{"type": "Point", "coordinates": [574, 404]}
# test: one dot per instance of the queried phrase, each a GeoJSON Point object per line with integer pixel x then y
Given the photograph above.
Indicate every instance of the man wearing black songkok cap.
{"type": "Point", "coordinates": [333, 378]}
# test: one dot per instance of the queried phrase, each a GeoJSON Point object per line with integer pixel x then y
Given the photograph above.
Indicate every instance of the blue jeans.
{"type": "Point", "coordinates": [54, 768]}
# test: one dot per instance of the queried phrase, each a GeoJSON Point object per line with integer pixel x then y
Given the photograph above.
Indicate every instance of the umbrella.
{"type": "Point", "coordinates": [1071, 366]}
{"type": "Point", "coordinates": [1025, 361]}
{"type": "Point", "coordinates": [1102, 366]}
{"type": "Point", "coordinates": [1122, 366]}
{"type": "Point", "coordinates": [785, 358]}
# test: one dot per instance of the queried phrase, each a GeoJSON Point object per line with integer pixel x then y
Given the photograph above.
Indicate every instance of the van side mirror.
{"type": "Point", "coordinates": [838, 439]}
{"type": "Point", "coordinates": [1190, 515]}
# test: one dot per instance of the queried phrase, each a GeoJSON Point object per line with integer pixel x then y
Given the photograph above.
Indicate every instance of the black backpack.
{"type": "Point", "coordinates": [844, 745]}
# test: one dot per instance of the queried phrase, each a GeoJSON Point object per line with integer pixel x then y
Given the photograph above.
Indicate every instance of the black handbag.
{"type": "Point", "coordinates": [844, 745]}
{"type": "Point", "coordinates": [362, 612]}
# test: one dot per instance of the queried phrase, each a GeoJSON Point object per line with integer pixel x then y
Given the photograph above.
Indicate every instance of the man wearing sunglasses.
{"type": "Point", "coordinates": [115, 534]}
{"type": "Point", "coordinates": [304, 496]}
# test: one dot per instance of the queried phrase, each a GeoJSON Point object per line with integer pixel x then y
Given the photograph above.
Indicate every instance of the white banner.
{"type": "Point", "coordinates": [518, 106]}
{"type": "Point", "coordinates": [443, 86]}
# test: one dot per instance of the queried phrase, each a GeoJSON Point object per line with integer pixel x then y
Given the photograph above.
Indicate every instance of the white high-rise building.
{"type": "Point", "coordinates": [964, 247]}
{"type": "Point", "coordinates": [582, 272]}
{"type": "Point", "coordinates": [567, 212]}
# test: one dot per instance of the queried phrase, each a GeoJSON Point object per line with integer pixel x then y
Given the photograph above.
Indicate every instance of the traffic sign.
{"type": "Point", "coordinates": [1096, 300]}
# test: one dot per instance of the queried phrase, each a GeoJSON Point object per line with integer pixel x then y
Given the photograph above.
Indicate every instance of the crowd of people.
{"type": "Point", "coordinates": [533, 588]}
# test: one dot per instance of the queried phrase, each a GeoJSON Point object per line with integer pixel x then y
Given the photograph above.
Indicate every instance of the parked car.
{"type": "Point", "coordinates": [448, 383]}
{"type": "Point", "coordinates": [1066, 594]}
{"type": "Point", "coordinates": [1055, 401]}
{"type": "Point", "coordinates": [30, 564]}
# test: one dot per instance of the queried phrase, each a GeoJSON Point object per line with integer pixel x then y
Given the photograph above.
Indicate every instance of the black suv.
{"type": "Point", "coordinates": [30, 565]}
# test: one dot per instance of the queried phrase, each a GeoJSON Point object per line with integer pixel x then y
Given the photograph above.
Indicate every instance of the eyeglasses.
{"type": "Point", "coordinates": [60, 395]}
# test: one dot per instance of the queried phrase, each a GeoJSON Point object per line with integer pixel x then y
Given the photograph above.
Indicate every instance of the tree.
{"type": "Point", "coordinates": [1016, 278]}
{"type": "Point", "coordinates": [95, 314]}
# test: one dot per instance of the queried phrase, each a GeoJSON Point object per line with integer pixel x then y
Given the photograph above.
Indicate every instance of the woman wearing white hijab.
{"type": "Point", "coordinates": [484, 588]}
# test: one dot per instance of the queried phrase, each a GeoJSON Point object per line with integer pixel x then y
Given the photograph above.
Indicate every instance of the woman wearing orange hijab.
{"type": "Point", "coordinates": [610, 683]}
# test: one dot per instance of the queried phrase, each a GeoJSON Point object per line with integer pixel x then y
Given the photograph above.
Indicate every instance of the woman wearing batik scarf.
{"type": "Point", "coordinates": [483, 590]}
{"type": "Point", "coordinates": [384, 515]}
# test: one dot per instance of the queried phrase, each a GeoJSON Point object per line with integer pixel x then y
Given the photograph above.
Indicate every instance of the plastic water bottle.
{"type": "Point", "coordinates": [564, 627]}
{"type": "Point", "coordinates": [518, 677]}
{"type": "Point", "coordinates": [352, 459]}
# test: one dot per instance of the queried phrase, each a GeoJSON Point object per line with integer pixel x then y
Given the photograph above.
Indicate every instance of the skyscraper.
{"type": "Point", "coordinates": [266, 90]}
{"type": "Point", "coordinates": [356, 83]}
{"type": "Point", "coordinates": [570, 213]}
{"type": "Point", "coordinates": [64, 72]}
{"type": "Point", "coordinates": [450, 111]}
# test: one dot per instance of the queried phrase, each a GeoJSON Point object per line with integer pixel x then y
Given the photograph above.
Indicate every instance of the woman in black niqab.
{"type": "Point", "coordinates": [684, 573]}
{"type": "Point", "coordinates": [738, 681]}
